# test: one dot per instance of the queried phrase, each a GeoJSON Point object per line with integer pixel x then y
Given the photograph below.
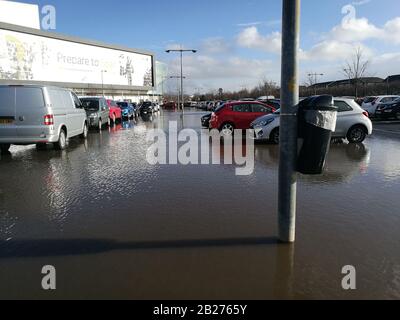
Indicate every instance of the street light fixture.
{"type": "Point", "coordinates": [181, 51]}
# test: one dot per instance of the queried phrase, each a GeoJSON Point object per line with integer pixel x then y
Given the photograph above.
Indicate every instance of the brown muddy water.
{"type": "Point", "coordinates": [116, 227]}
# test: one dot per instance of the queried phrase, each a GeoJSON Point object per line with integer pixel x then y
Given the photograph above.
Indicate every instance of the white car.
{"type": "Point", "coordinates": [370, 104]}
{"type": "Point", "coordinates": [353, 123]}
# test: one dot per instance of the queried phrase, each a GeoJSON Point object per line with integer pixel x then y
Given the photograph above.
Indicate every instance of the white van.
{"type": "Point", "coordinates": [40, 115]}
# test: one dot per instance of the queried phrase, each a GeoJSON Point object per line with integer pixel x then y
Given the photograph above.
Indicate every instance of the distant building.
{"type": "Point", "coordinates": [21, 14]}
{"type": "Point", "coordinates": [346, 82]}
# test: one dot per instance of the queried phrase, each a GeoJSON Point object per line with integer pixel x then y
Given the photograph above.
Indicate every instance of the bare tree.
{"type": "Point", "coordinates": [356, 68]}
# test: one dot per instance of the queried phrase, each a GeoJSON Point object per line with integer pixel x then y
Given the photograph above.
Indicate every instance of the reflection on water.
{"type": "Point", "coordinates": [195, 232]}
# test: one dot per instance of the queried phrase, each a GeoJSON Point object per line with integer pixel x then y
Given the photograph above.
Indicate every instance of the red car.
{"type": "Point", "coordinates": [170, 106]}
{"type": "Point", "coordinates": [115, 111]}
{"type": "Point", "coordinates": [238, 115]}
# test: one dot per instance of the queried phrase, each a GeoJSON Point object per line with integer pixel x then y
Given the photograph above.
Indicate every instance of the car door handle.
{"type": "Point", "coordinates": [21, 118]}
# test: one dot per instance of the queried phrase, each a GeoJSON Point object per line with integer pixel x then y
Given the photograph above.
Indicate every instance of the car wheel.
{"type": "Point", "coordinates": [227, 129]}
{"type": "Point", "coordinates": [5, 147]}
{"type": "Point", "coordinates": [357, 134]}
{"type": "Point", "coordinates": [84, 134]}
{"type": "Point", "coordinates": [61, 144]}
{"type": "Point", "coordinates": [274, 137]}
{"type": "Point", "coordinates": [397, 116]}
{"type": "Point", "coordinates": [114, 119]}
{"type": "Point", "coordinates": [100, 125]}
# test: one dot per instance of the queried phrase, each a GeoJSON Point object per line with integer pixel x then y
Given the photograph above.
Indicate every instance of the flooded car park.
{"type": "Point", "coordinates": [115, 226]}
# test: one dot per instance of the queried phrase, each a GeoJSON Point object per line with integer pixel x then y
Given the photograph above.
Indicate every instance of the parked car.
{"type": "Point", "coordinates": [169, 106]}
{"type": "Point", "coordinates": [97, 111]}
{"type": "Point", "coordinates": [389, 110]}
{"type": "Point", "coordinates": [353, 123]}
{"type": "Point", "coordinates": [146, 108]}
{"type": "Point", "coordinates": [370, 104]}
{"type": "Point", "coordinates": [276, 103]}
{"type": "Point", "coordinates": [115, 111]}
{"type": "Point", "coordinates": [128, 111]}
{"type": "Point", "coordinates": [210, 106]}
{"type": "Point", "coordinates": [205, 120]}
{"type": "Point", "coordinates": [40, 115]}
{"type": "Point", "coordinates": [238, 115]}
{"type": "Point", "coordinates": [203, 105]}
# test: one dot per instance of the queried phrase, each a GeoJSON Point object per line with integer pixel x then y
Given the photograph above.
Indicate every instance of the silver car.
{"type": "Point", "coordinates": [40, 115]}
{"type": "Point", "coordinates": [353, 123]}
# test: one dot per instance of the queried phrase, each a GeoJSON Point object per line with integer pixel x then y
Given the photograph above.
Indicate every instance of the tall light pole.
{"type": "Point", "coordinates": [288, 129]}
{"type": "Point", "coordinates": [179, 92]}
{"type": "Point", "coordinates": [181, 51]}
{"type": "Point", "coordinates": [315, 75]}
{"type": "Point", "coordinates": [102, 80]}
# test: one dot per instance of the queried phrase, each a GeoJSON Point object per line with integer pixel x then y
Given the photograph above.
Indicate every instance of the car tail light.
{"type": "Point", "coordinates": [48, 120]}
{"type": "Point", "coordinates": [365, 113]}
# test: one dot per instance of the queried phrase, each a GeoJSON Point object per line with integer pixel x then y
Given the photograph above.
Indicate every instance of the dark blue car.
{"type": "Point", "coordinates": [127, 109]}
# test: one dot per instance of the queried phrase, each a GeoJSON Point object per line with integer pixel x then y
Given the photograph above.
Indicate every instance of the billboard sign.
{"type": "Point", "coordinates": [30, 57]}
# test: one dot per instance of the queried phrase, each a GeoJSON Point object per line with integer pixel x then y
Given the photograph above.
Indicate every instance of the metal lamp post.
{"type": "Point", "coordinates": [288, 129]}
{"type": "Point", "coordinates": [181, 51]}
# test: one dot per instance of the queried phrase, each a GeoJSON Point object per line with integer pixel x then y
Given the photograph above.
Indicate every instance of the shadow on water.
{"type": "Point", "coordinates": [71, 247]}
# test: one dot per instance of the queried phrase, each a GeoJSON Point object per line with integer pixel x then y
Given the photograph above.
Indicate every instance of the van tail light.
{"type": "Point", "coordinates": [365, 113]}
{"type": "Point", "coordinates": [48, 120]}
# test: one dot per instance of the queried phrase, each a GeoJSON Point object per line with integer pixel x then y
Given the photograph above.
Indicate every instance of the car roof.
{"type": "Point", "coordinates": [91, 97]}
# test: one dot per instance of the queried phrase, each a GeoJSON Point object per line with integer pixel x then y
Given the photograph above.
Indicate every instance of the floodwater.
{"type": "Point", "coordinates": [116, 227]}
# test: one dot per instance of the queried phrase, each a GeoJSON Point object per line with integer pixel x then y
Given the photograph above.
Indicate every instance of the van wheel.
{"type": "Point", "coordinates": [5, 147]}
{"type": "Point", "coordinates": [61, 144]}
{"type": "Point", "coordinates": [274, 138]}
{"type": "Point", "coordinates": [357, 134]}
{"type": "Point", "coordinates": [84, 134]}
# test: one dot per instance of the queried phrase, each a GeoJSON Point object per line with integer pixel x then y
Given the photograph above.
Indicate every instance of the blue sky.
{"type": "Point", "coordinates": [238, 41]}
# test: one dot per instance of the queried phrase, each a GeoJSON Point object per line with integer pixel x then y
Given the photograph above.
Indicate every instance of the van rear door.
{"type": "Point", "coordinates": [7, 113]}
{"type": "Point", "coordinates": [30, 112]}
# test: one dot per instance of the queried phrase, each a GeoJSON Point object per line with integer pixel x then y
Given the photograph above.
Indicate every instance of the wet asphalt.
{"type": "Point", "coordinates": [116, 227]}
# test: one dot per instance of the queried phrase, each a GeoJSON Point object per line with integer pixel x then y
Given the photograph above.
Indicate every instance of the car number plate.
{"type": "Point", "coordinates": [6, 121]}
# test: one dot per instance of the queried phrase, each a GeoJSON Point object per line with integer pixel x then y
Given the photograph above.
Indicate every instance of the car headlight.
{"type": "Point", "coordinates": [93, 115]}
{"type": "Point", "coordinates": [264, 123]}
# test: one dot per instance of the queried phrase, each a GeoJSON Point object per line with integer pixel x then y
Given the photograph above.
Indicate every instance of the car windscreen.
{"type": "Point", "coordinates": [123, 105]}
{"type": "Point", "coordinates": [89, 104]}
{"type": "Point", "coordinates": [369, 99]}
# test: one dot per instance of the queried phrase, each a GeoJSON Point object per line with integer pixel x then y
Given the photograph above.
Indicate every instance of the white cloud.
{"type": "Point", "coordinates": [252, 39]}
{"type": "Point", "coordinates": [361, 29]}
{"type": "Point", "coordinates": [258, 23]}
{"type": "Point", "coordinates": [216, 45]}
{"type": "Point", "coordinates": [333, 50]}
{"type": "Point", "coordinates": [229, 72]}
